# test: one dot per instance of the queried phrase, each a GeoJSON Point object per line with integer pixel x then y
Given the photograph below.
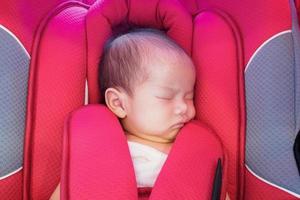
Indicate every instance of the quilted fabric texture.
{"type": "Point", "coordinates": [97, 163]}
{"type": "Point", "coordinates": [296, 45]}
{"type": "Point", "coordinates": [14, 66]}
{"type": "Point", "coordinates": [270, 92]}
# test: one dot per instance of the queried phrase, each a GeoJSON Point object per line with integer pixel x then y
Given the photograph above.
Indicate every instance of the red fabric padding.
{"type": "Point", "coordinates": [97, 162]}
{"type": "Point", "coordinates": [56, 87]}
{"type": "Point", "coordinates": [22, 17]}
{"type": "Point", "coordinates": [259, 190]}
{"type": "Point", "coordinates": [168, 15]}
{"type": "Point", "coordinates": [219, 99]}
{"type": "Point", "coordinates": [191, 6]}
{"type": "Point", "coordinates": [96, 158]}
{"type": "Point", "coordinates": [11, 187]}
{"type": "Point", "coordinates": [257, 20]}
{"type": "Point", "coordinates": [190, 167]}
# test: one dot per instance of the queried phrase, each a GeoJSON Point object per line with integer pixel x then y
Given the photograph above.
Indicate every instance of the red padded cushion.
{"type": "Point", "coordinates": [190, 167]}
{"type": "Point", "coordinates": [168, 15]}
{"type": "Point", "coordinates": [219, 93]}
{"type": "Point", "coordinates": [56, 87]}
{"type": "Point", "coordinates": [97, 162]}
{"type": "Point", "coordinates": [96, 158]}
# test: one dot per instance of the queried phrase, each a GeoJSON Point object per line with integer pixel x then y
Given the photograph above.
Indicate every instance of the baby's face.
{"type": "Point", "coordinates": [162, 104]}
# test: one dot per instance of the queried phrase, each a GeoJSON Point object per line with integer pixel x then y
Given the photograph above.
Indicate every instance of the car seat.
{"type": "Point", "coordinates": [45, 111]}
{"type": "Point", "coordinates": [229, 85]}
{"type": "Point", "coordinates": [81, 174]}
{"type": "Point", "coordinates": [251, 27]}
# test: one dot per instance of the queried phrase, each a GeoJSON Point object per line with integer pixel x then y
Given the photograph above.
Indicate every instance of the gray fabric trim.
{"type": "Point", "coordinates": [14, 66]}
{"type": "Point", "coordinates": [296, 43]}
{"type": "Point", "coordinates": [270, 103]}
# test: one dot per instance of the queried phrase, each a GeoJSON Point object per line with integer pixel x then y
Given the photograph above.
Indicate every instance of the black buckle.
{"type": "Point", "coordinates": [216, 193]}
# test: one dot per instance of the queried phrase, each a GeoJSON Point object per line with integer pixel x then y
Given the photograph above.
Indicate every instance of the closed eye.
{"type": "Point", "coordinates": [164, 98]}
{"type": "Point", "coordinates": [190, 96]}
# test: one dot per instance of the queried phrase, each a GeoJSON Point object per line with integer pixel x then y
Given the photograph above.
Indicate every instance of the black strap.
{"type": "Point", "coordinates": [216, 193]}
{"type": "Point", "coordinates": [297, 151]}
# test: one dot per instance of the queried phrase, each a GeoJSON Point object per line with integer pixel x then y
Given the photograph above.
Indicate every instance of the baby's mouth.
{"type": "Point", "coordinates": [178, 125]}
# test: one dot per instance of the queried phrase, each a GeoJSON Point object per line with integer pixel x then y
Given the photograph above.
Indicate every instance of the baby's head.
{"type": "Point", "coordinates": [148, 82]}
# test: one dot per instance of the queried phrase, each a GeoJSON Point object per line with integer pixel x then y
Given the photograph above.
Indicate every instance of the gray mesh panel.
{"type": "Point", "coordinates": [14, 65]}
{"type": "Point", "coordinates": [296, 40]}
{"type": "Point", "coordinates": [270, 101]}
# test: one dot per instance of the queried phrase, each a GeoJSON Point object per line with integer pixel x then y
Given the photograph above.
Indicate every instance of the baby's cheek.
{"type": "Point", "coordinates": [154, 118]}
{"type": "Point", "coordinates": [146, 118]}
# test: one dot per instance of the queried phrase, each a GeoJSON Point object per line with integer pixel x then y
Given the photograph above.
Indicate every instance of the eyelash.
{"type": "Point", "coordinates": [170, 98]}
{"type": "Point", "coordinates": [190, 98]}
{"type": "Point", "coordinates": [165, 98]}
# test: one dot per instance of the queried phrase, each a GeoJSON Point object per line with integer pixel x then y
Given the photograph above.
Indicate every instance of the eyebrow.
{"type": "Point", "coordinates": [164, 87]}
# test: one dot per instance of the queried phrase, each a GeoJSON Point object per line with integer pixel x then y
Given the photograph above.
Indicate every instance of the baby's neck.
{"type": "Point", "coordinates": [162, 146]}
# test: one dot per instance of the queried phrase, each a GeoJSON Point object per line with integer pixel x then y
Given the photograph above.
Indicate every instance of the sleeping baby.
{"type": "Point", "coordinates": [147, 81]}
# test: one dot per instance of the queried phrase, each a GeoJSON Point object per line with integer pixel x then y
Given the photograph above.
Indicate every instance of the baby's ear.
{"type": "Point", "coordinates": [115, 101]}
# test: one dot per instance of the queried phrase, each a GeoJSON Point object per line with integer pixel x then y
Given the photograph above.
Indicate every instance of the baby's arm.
{"type": "Point", "coordinates": [56, 193]}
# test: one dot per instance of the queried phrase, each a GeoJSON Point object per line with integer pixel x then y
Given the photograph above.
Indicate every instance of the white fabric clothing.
{"type": "Point", "coordinates": [147, 162]}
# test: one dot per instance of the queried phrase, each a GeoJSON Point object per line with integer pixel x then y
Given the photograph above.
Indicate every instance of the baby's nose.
{"type": "Point", "coordinates": [181, 108]}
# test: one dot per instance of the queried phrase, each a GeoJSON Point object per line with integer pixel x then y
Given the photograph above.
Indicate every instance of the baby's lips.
{"type": "Point", "coordinates": [178, 125]}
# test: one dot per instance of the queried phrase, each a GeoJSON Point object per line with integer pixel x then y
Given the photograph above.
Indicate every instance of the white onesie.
{"type": "Point", "coordinates": [147, 162]}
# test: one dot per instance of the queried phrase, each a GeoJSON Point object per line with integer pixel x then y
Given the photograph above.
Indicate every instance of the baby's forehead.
{"type": "Point", "coordinates": [147, 42]}
{"type": "Point", "coordinates": [149, 50]}
{"type": "Point", "coordinates": [168, 56]}
{"type": "Point", "coordinates": [154, 49]}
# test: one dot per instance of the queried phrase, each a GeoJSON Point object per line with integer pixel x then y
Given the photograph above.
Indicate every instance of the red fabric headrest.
{"type": "Point", "coordinates": [103, 16]}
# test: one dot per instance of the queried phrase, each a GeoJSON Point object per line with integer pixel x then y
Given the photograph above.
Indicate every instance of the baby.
{"type": "Point", "coordinates": [147, 81]}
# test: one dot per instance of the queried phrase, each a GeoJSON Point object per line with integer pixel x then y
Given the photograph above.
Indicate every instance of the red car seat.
{"type": "Point", "coordinates": [59, 39]}
{"type": "Point", "coordinates": [250, 28]}
{"type": "Point", "coordinates": [83, 175]}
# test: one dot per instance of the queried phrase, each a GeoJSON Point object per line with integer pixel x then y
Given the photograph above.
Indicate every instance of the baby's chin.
{"type": "Point", "coordinates": [164, 138]}
{"type": "Point", "coordinates": [167, 136]}
{"type": "Point", "coordinates": [170, 136]}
